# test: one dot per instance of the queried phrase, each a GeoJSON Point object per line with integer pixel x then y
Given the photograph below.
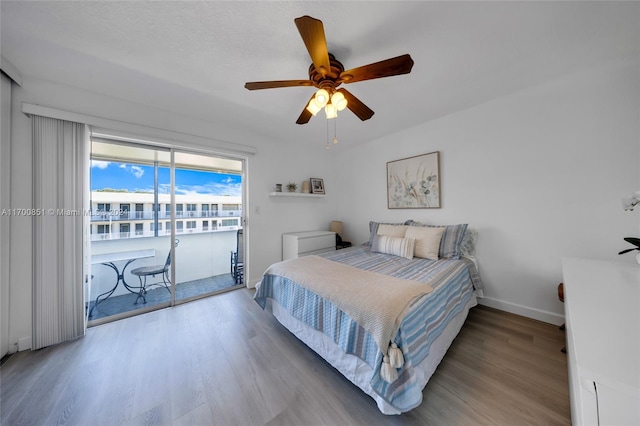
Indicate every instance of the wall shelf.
{"type": "Point", "coordinates": [295, 194]}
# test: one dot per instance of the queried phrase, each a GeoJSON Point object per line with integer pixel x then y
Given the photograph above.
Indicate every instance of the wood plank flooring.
{"type": "Point", "coordinates": [224, 361]}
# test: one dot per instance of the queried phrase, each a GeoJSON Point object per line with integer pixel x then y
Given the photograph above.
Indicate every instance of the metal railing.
{"type": "Point", "coordinates": [117, 216]}
{"type": "Point", "coordinates": [149, 233]}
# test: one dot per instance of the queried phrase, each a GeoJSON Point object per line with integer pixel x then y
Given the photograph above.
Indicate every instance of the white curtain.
{"type": "Point", "coordinates": [60, 256]}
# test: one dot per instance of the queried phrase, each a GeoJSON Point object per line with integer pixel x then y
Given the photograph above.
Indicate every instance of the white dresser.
{"type": "Point", "coordinates": [296, 244]}
{"type": "Point", "coordinates": [602, 314]}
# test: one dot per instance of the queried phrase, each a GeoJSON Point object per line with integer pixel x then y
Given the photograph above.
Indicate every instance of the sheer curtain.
{"type": "Point", "coordinates": [60, 250]}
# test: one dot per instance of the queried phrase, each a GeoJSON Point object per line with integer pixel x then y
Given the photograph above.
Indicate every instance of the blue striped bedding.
{"type": "Point", "coordinates": [452, 280]}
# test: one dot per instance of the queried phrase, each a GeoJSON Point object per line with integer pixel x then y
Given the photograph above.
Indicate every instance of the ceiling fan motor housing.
{"type": "Point", "coordinates": [330, 79]}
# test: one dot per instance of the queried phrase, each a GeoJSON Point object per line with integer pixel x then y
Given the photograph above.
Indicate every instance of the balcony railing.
{"type": "Point", "coordinates": [116, 216]}
{"type": "Point", "coordinates": [161, 232]}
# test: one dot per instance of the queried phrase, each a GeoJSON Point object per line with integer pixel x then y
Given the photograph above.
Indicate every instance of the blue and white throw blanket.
{"type": "Point", "coordinates": [452, 282]}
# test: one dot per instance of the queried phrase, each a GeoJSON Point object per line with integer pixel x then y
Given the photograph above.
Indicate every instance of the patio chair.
{"type": "Point", "coordinates": [237, 260]}
{"type": "Point", "coordinates": [151, 271]}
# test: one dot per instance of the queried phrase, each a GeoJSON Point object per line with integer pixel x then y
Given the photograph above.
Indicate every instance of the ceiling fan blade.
{"type": "Point", "coordinates": [356, 106]}
{"type": "Point", "coordinates": [257, 85]}
{"type": "Point", "coordinates": [387, 68]}
{"type": "Point", "coordinates": [312, 33]}
{"type": "Point", "coordinates": [305, 115]}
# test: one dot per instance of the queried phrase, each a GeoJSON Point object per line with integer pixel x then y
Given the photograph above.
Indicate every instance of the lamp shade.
{"type": "Point", "coordinates": [331, 111]}
{"type": "Point", "coordinates": [339, 101]}
{"type": "Point", "coordinates": [313, 107]}
{"type": "Point", "coordinates": [336, 226]}
{"type": "Point", "coordinates": [322, 97]}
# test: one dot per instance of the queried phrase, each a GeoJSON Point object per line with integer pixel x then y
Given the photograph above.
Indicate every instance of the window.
{"type": "Point", "coordinates": [125, 228]}
{"type": "Point", "coordinates": [229, 222]}
{"type": "Point", "coordinates": [231, 209]}
{"type": "Point", "coordinates": [191, 210]}
{"type": "Point", "coordinates": [103, 208]}
{"type": "Point", "coordinates": [205, 210]}
{"type": "Point", "coordinates": [179, 210]}
{"type": "Point", "coordinates": [167, 211]}
{"type": "Point", "coordinates": [179, 226]}
{"type": "Point", "coordinates": [124, 210]}
{"type": "Point", "coordinates": [139, 230]}
{"type": "Point", "coordinates": [103, 229]}
{"type": "Point", "coordinates": [139, 211]}
{"type": "Point", "coordinates": [205, 225]}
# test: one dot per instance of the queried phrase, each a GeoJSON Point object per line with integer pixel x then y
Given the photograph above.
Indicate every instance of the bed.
{"type": "Point", "coordinates": [332, 303]}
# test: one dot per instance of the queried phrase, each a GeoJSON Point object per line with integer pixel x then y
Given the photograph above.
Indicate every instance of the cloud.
{"type": "Point", "coordinates": [137, 171]}
{"type": "Point", "coordinates": [100, 164]}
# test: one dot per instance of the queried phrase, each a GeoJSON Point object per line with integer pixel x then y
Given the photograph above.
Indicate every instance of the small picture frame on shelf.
{"type": "Point", "coordinates": [317, 186]}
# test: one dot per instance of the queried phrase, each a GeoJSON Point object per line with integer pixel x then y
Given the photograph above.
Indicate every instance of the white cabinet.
{"type": "Point", "coordinates": [296, 244]}
{"type": "Point", "coordinates": [602, 314]}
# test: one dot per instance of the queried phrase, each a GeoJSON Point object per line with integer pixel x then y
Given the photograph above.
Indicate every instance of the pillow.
{"type": "Point", "coordinates": [373, 228]}
{"type": "Point", "coordinates": [427, 243]}
{"type": "Point", "coordinates": [451, 239]}
{"type": "Point", "coordinates": [468, 245]}
{"type": "Point", "coordinates": [392, 230]}
{"type": "Point", "coordinates": [396, 246]}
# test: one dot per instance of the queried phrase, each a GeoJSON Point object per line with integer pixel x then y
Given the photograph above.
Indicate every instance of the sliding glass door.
{"type": "Point", "coordinates": [164, 227]}
{"type": "Point", "coordinates": [208, 192]}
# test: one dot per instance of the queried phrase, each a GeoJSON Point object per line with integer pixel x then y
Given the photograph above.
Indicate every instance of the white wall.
{"type": "Point", "coordinates": [268, 218]}
{"type": "Point", "coordinates": [540, 174]}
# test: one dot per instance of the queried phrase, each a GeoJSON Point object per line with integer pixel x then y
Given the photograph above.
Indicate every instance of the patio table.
{"type": "Point", "coordinates": [110, 259]}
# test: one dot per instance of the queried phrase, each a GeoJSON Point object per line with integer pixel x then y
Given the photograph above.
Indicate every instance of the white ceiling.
{"type": "Point", "coordinates": [193, 58]}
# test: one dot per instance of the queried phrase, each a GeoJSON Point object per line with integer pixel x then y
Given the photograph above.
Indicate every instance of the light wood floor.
{"type": "Point", "coordinates": [222, 360]}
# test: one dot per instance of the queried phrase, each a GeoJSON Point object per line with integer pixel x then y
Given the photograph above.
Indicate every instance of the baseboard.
{"type": "Point", "coordinates": [24, 344]}
{"type": "Point", "coordinates": [525, 311]}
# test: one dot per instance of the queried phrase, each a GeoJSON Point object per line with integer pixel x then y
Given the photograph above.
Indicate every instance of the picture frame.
{"type": "Point", "coordinates": [317, 185]}
{"type": "Point", "coordinates": [414, 182]}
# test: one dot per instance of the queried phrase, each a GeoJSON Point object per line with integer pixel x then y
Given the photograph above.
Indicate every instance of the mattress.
{"type": "Point", "coordinates": [425, 332]}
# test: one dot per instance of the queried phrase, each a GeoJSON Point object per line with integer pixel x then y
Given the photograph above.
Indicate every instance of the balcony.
{"type": "Point", "coordinates": [202, 265]}
{"type": "Point", "coordinates": [118, 215]}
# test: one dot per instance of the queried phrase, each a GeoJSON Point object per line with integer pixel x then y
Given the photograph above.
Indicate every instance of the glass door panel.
{"type": "Point", "coordinates": [129, 249]}
{"type": "Point", "coordinates": [206, 256]}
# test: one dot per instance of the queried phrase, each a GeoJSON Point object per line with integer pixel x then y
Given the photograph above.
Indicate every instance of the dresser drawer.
{"type": "Point", "coordinates": [296, 244]}
{"type": "Point", "coordinates": [315, 243]}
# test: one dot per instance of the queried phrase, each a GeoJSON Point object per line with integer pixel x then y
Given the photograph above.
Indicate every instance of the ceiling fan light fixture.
{"type": "Point", "coordinates": [339, 101]}
{"type": "Point", "coordinates": [331, 111]}
{"type": "Point", "coordinates": [321, 98]}
{"type": "Point", "coordinates": [313, 107]}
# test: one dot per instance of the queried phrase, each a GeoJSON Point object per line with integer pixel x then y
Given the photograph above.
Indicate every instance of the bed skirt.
{"type": "Point", "coordinates": [356, 370]}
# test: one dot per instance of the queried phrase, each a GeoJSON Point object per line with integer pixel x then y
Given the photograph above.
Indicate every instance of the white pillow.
{"type": "Point", "coordinates": [392, 230]}
{"type": "Point", "coordinates": [427, 242]}
{"type": "Point", "coordinates": [396, 246]}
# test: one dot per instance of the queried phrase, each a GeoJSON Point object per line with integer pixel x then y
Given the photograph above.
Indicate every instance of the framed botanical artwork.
{"type": "Point", "coordinates": [317, 186]}
{"type": "Point", "coordinates": [414, 183]}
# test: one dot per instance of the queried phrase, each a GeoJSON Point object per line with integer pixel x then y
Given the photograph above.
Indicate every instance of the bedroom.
{"type": "Point", "coordinates": [534, 109]}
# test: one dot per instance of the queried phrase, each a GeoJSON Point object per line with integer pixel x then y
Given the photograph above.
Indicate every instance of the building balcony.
{"type": "Point", "coordinates": [202, 265]}
{"type": "Point", "coordinates": [118, 216]}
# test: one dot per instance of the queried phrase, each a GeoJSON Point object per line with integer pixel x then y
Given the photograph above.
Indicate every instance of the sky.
{"type": "Point", "coordinates": [138, 177]}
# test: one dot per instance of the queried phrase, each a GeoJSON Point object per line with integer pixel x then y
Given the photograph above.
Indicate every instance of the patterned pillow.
{"type": "Point", "coordinates": [373, 228]}
{"type": "Point", "coordinates": [428, 240]}
{"type": "Point", "coordinates": [468, 245]}
{"type": "Point", "coordinates": [396, 246]}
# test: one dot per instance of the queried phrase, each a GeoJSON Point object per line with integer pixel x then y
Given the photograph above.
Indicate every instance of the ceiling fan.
{"type": "Point", "coordinates": [327, 73]}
